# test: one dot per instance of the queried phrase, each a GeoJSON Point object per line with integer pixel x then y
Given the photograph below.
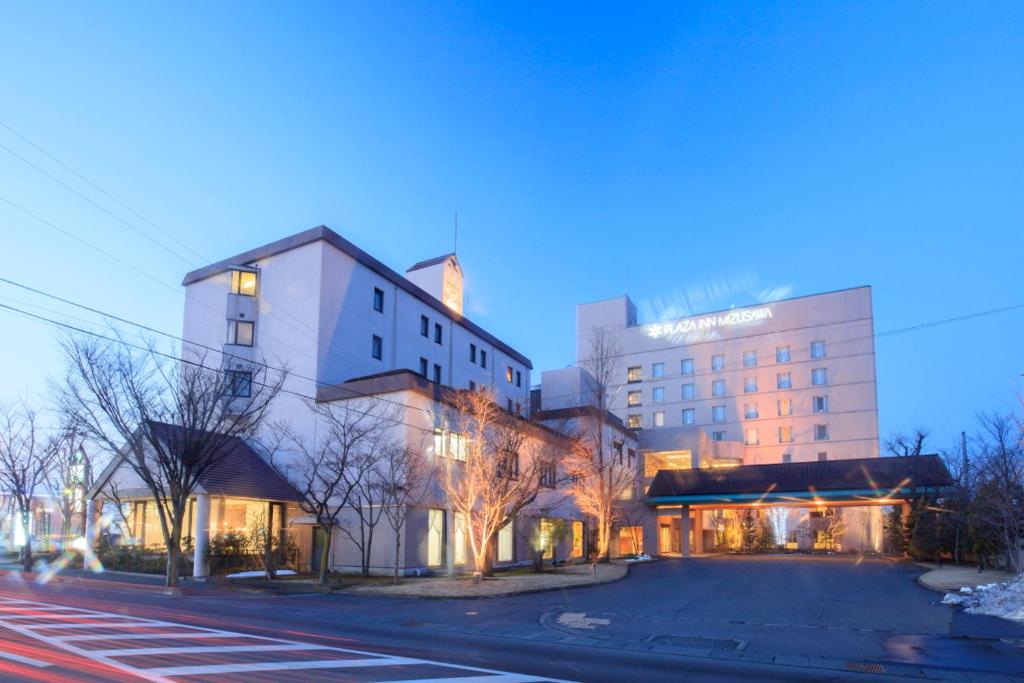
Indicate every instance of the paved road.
{"type": "Point", "coordinates": [726, 619]}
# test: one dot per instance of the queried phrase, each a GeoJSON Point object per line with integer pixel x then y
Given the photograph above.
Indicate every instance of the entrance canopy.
{"type": "Point", "coordinates": [860, 481]}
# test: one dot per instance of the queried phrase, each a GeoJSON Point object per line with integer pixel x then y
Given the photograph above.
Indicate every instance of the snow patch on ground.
{"type": "Point", "coordinates": [1004, 600]}
{"type": "Point", "coordinates": [254, 575]}
{"type": "Point", "coordinates": [639, 558]}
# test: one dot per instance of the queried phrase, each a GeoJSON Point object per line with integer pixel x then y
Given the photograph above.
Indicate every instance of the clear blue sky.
{"type": "Point", "coordinates": [700, 152]}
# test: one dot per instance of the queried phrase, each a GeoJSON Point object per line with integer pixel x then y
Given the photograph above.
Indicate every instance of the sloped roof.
{"type": "Point", "coordinates": [860, 474]}
{"type": "Point", "coordinates": [434, 261]}
{"type": "Point", "coordinates": [324, 233]}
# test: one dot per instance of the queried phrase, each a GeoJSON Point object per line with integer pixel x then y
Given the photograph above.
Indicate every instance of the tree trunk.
{"type": "Point", "coordinates": [171, 577]}
{"type": "Point", "coordinates": [325, 554]}
{"type": "Point", "coordinates": [26, 550]}
{"type": "Point", "coordinates": [398, 546]}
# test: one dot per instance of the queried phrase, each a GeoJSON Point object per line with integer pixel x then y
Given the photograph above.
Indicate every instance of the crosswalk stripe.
{"type": "Point", "coordinates": [185, 635]}
{"type": "Point", "coordinates": [493, 678]}
{"type": "Point", "coordinates": [114, 624]}
{"type": "Point", "coordinates": [202, 649]}
{"type": "Point", "coordinates": [203, 669]}
{"type": "Point", "coordinates": [24, 660]}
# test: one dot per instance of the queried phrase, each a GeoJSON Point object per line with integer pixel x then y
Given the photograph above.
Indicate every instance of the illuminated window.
{"type": "Point", "coordinates": [546, 541]}
{"type": "Point", "coordinates": [749, 385]}
{"type": "Point", "coordinates": [750, 359]}
{"type": "Point", "coordinates": [820, 404]}
{"type": "Point", "coordinates": [717, 362]}
{"type": "Point", "coordinates": [423, 367]}
{"type": "Point", "coordinates": [658, 394]}
{"type": "Point", "coordinates": [821, 432]}
{"type": "Point", "coordinates": [631, 540]}
{"type": "Point", "coordinates": [718, 387]}
{"type": "Point", "coordinates": [783, 380]}
{"type": "Point", "coordinates": [689, 416]}
{"type": "Point", "coordinates": [689, 391]}
{"type": "Point", "coordinates": [750, 437]}
{"type": "Point", "coordinates": [508, 374]}
{"type": "Point", "coordinates": [785, 407]}
{"type": "Point", "coordinates": [817, 349]}
{"type": "Point", "coordinates": [781, 354]}
{"type": "Point", "coordinates": [659, 418]}
{"type": "Point", "coordinates": [506, 544]}
{"type": "Point", "coordinates": [449, 444]}
{"type": "Point", "coordinates": [459, 542]}
{"type": "Point", "coordinates": [785, 435]}
{"type": "Point", "coordinates": [634, 421]}
{"type": "Point", "coordinates": [750, 411]}
{"type": "Point", "coordinates": [438, 333]}
{"type": "Point", "coordinates": [634, 374]}
{"type": "Point", "coordinates": [658, 370]}
{"type": "Point", "coordinates": [577, 539]}
{"type": "Point", "coordinates": [822, 456]}
{"type": "Point", "coordinates": [424, 325]}
{"type": "Point", "coordinates": [718, 436]}
{"type": "Point", "coordinates": [378, 299]}
{"type": "Point", "coordinates": [686, 367]}
{"type": "Point", "coordinates": [819, 377]}
{"type": "Point", "coordinates": [243, 282]}
{"type": "Point", "coordinates": [435, 538]}
{"type": "Point", "coordinates": [458, 446]}
{"type": "Point", "coordinates": [238, 383]}
{"type": "Point", "coordinates": [634, 398]}
{"type": "Point", "coordinates": [718, 413]}
{"type": "Point", "coordinates": [240, 332]}
{"type": "Point", "coordinates": [377, 347]}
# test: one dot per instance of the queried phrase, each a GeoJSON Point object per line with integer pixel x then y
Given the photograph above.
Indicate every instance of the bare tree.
{"type": "Point", "coordinates": [998, 508]}
{"type": "Point", "coordinates": [169, 419]}
{"type": "Point", "coordinates": [494, 475]}
{"type": "Point", "coordinates": [72, 476]}
{"type": "Point", "coordinates": [27, 459]}
{"type": "Point", "coordinates": [904, 445]}
{"type": "Point", "coordinates": [601, 475]}
{"type": "Point", "coordinates": [404, 478]}
{"type": "Point", "coordinates": [365, 501]}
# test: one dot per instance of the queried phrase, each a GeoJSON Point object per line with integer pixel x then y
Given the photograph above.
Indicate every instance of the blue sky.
{"type": "Point", "coordinates": [588, 150]}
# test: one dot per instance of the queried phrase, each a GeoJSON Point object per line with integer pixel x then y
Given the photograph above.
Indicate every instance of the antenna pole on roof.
{"type": "Point", "coordinates": [455, 247]}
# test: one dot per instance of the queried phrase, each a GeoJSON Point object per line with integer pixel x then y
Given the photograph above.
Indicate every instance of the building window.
{"type": "Point", "coordinates": [238, 383]}
{"type": "Point", "coordinates": [483, 358]}
{"type": "Point", "coordinates": [689, 391]}
{"type": "Point", "coordinates": [634, 398]}
{"type": "Point", "coordinates": [240, 332]}
{"type": "Point", "coordinates": [472, 385]}
{"type": "Point", "coordinates": [819, 377]}
{"type": "Point", "coordinates": [508, 465]}
{"type": "Point", "coordinates": [817, 349]}
{"type": "Point", "coordinates": [437, 373]}
{"type": "Point", "coordinates": [717, 362]}
{"type": "Point", "coordinates": [423, 367]}
{"type": "Point", "coordinates": [749, 385]}
{"type": "Point", "coordinates": [785, 435]}
{"type": "Point", "coordinates": [750, 437]}
{"type": "Point", "coordinates": [658, 394]}
{"type": "Point", "coordinates": [577, 539]}
{"type": "Point", "coordinates": [508, 374]}
{"type": "Point", "coordinates": [658, 370]}
{"type": "Point", "coordinates": [449, 444]}
{"type": "Point", "coordinates": [821, 432]}
{"type": "Point", "coordinates": [424, 325]}
{"type": "Point", "coordinates": [243, 282]}
{"type": "Point", "coordinates": [689, 416]}
{"type": "Point", "coordinates": [634, 421]}
{"type": "Point", "coordinates": [547, 475]}
{"type": "Point", "coordinates": [659, 418]}
{"type": "Point", "coordinates": [472, 353]}
{"type": "Point", "coordinates": [506, 542]}
{"type": "Point", "coordinates": [519, 378]}
{"type": "Point", "coordinates": [781, 354]}
{"type": "Point", "coordinates": [718, 413]}
{"type": "Point", "coordinates": [718, 387]}
{"type": "Point", "coordinates": [787, 458]}
{"type": "Point", "coordinates": [718, 436]}
{"type": "Point", "coordinates": [634, 374]}
{"type": "Point", "coordinates": [686, 367]}
{"type": "Point", "coordinates": [378, 299]}
{"type": "Point", "coordinates": [510, 405]}
{"type": "Point", "coordinates": [822, 456]}
{"type": "Point", "coordinates": [377, 347]}
{"type": "Point", "coordinates": [750, 411]}
{"type": "Point", "coordinates": [783, 380]}
{"type": "Point", "coordinates": [435, 538]}
{"type": "Point", "coordinates": [785, 407]}
{"type": "Point", "coordinates": [437, 333]}
{"type": "Point", "coordinates": [820, 404]}
{"type": "Point", "coordinates": [750, 359]}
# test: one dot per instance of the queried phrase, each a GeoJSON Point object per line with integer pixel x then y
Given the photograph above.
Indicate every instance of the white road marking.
{"type": "Point", "coordinates": [185, 632]}
{"type": "Point", "coordinates": [24, 660]}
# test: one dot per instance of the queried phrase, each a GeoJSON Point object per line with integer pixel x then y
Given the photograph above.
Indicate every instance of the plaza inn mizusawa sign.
{"type": "Point", "coordinates": [708, 322]}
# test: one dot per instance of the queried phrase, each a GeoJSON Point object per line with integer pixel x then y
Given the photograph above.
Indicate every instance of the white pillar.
{"type": "Point", "coordinates": [449, 541]}
{"type": "Point", "coordinates": [200, 570]}
{"type": "Point", "coordinates": [90, 523]}
{"type": "Point", "coordinates": [684, 530]}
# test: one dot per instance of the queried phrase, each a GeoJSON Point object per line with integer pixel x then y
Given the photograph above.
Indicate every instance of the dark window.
{"type": "Point", "coordinates": [238, 383]}
{"type": "Point", "coordinates": [483, 358]}
{"type": "Point", "coordinates": [472, 353]}
{"type": "Point", "coordinates": [617, 448]}
{"type": "Point", "coordinates": [822, 456]}
{"type": "Point", "coordinates": [631, 454]}
{"type": "Point", "coordinates": [424, 325]}
{"type": "Point", "coordinates": [437, 332]}
{"type": "Point", "coordinates": [423, 367]}
{"type": "Point", "coordinates": [519, 379]}
{"type": "Point", "coordinates": [472, 385]}
{"type": "Point", "coordinates": [437, 373]}
{"type": "Point", "coordinates": [508, 465]}
{"type": "Point", "coordinates": [378, 299]}
{"type": "Point", "coordinates": [547, 475]}
{"type": "Point", "coordinates": [240, 332]}
{"type": "Point", "coordinates": [519, 408]}
{"type": "Point", "coordinates": [510, 405]}
{"type": "Point", "coordinates": [377, 347]}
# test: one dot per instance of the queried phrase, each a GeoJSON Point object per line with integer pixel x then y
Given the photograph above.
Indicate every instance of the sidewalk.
{"type": "Point", "coordinates": [951, 578]}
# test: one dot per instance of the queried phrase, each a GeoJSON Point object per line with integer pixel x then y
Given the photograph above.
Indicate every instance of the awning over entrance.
{"type": "Point", "coordinates": [856, 481]}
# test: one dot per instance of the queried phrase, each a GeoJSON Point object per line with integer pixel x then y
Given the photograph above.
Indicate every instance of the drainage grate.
{"type": "Point", "coordinates": [865, 667]}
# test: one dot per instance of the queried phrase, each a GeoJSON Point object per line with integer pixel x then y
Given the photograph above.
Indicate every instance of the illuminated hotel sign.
{"type": "Point", "coordinates": [708, 322]}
